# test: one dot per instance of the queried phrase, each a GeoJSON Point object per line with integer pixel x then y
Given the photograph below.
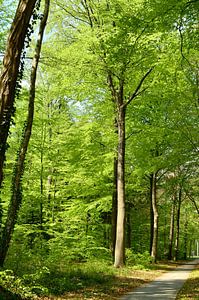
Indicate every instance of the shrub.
{"type": "Point", "coordinates": [140, 260]}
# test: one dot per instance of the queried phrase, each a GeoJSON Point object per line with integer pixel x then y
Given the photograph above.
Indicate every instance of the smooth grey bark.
{"type": "Point", "coordinates": [120, 230]}
{"type": "Point", "coordinates": [151, 213]}
{"type": "Point", "coordinates": [114, 207]}
{"type": "Point", "coordinates": [155, 217]}
{"type": "Point", "coordinates": [171, 231]}
{"type": "Point", "coordinates": [16, 197]}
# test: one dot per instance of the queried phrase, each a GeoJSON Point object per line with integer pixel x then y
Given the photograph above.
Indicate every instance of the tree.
{"type": "Point", "coordinates": [10, 72]}
{"type": "Point", "coordinates": [16, 197]}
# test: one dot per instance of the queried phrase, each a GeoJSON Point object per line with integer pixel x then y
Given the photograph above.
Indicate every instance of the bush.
{"type": "Point", "coordinates": [14, 286]}
{"type": "Point", "coordinates": [138, 260]}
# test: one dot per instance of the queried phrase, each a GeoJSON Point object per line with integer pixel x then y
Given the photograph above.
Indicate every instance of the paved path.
{"type": "Point", "coordinates": [164, 287]}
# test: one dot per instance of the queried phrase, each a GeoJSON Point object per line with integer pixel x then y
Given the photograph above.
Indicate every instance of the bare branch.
{"type": "Point", "coordinates": [136, 92]}
{"type": "Point", "coordinates": [193, 201]}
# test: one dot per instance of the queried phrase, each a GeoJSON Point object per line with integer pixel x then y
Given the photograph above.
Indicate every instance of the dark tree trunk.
{"type": "Point", "coordinates": [171, 232]}
{"type": "Point", "coordinates": [155, 219]}
{"type": "Point", "coordinates": [128, 226]}
{"type": "Point", "coordinates": [16, 197]}
{"type": "Point", "coordinates": [190, 248]}
{"type": "Point", "coordinates": [176, 252]}
{"type": "Point", "coordinates": [8, 79]}
{"type": "Point", "coordinates": [185, 238]}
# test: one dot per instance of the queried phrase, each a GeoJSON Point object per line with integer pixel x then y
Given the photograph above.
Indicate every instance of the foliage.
{"type": "Point", "coordinates": [138, 260]}
{"type": "Point", "coordinates": [62, 240]}
{"type": "Point", "coordinates": [15, 284]}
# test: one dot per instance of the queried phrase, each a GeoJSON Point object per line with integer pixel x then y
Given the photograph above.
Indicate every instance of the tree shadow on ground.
{"type": "Point", "coordinates": [165, 265]}
{"type": "Point", "coordinates": [92, 285]}
{"type": "Point", "coordinates": [7, 295]}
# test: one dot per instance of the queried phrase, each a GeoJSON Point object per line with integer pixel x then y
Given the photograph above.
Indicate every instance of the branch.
{"type": "Point", "coordinates": [193, 201]}
{"type": "Point", "coordinates": [84, 3]}
{"type": "Point", "coordinates": [132, 133]}
{"type": "Point", "coordinates": [72, 14]}
{"type": "Point", "coordinates": [191, 2]}
{"type": "Point", "coordinates": [111, 86]}
{"type": "Point", "coordinates": [136, 92]}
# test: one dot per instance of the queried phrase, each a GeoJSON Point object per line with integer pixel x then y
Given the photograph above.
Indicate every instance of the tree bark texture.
{"type": "Point", "coordinates": [114, 207]}
{"type": "Point", "coordinates": [176, 254]}
{"type": "Point", "coordinates": [120, 231]}
{"type": "Point", "coordinates": [8, 78]}
{"type": "Point", "coordinates": [171, 232]}
{"type": "Point", "coordinates": [155, 219]}
{"type": "Point", "coordinates": [185, 238]}
{"type": "Point", "coordinates": [16, 197]}
{"type": "Point", "coordinates": [151, 213]}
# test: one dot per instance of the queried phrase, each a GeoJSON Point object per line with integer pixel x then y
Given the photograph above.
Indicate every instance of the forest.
{"type": "Point", "coordinates": [99, 141]}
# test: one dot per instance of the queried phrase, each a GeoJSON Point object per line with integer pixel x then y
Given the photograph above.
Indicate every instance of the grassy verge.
{"type": "Point", "coordinates": [92, 280]}
{"type": "Point", "coordinates": [108, 284]}
{"type": "Point", "coordinates": [190, 289]}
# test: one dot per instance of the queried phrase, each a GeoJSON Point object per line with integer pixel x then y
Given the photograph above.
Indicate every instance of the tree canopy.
{"type": "Point", "coordinates": [111, 168]}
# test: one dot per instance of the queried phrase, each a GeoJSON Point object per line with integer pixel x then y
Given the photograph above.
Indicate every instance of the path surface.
{"type": "Point", "coordinates": [164, 287]}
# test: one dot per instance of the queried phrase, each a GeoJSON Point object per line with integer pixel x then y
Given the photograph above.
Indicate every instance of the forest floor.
{"type": "Point", "coordinates": [98, 281]}
{"type": "Point", "coordinates": [128, 279]}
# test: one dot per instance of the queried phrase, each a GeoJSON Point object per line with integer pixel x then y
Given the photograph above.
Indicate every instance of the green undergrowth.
{"type": "Point", "coordinates": [65, 277]}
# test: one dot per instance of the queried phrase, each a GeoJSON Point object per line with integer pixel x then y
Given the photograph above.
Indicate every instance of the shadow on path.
{"type": "Point", "coordinates": [166, 286]}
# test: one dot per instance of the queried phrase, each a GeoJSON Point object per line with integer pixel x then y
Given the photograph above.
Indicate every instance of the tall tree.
{"type": "Point", "coordinates": [16, 196]}
{"type": "Point", "coordinates": [10, 71]}
{"type": "Point", "coordinates": [118, 80]}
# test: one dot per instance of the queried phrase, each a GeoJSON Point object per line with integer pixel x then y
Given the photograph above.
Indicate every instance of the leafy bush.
{"type": "Point", "coordinates": [138, 260]}
{"type": "Point", "coordinates": [15, 285]}
{"type": "Point", "coordinates": [27, 287]}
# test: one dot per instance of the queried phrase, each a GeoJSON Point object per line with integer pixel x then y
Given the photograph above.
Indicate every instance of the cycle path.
{"type": "Point", "coordinates": [164, 287]}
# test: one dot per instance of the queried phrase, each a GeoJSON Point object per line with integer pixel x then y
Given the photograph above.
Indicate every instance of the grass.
{"type": "Point", "coordinates": [97, 280]}
{"type": "Point", "coordinates": [101, 282]}
{"type": "Point", "coordinates": [190, 289]}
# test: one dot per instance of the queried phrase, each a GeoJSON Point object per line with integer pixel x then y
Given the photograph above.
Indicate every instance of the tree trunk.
{"type": "Point", "coordinates": [171, 232]}
{"type": "Point", "coordinates": [128, 226]}
{"type": "Point", "coordinates": [176, 254]}
{"type": "Point", "coordinates": [10, 72]}
{"type": "Point", "coordinates": [185, 237]}
{"type": "Point", "coordinates": [41, 191]}
{"type": "Point", "coordinates": [120, 231]}
{"type": "Point", "coordinates": [155, 219]}
{"type": "Point", "coordinates": [151, 213]}
{"type": "Point", "coordinates": [114, 207]}
{"type": "Point", "coordinates": [16, 197]}
{"type": "Point", "coordinates": [190, 248]}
